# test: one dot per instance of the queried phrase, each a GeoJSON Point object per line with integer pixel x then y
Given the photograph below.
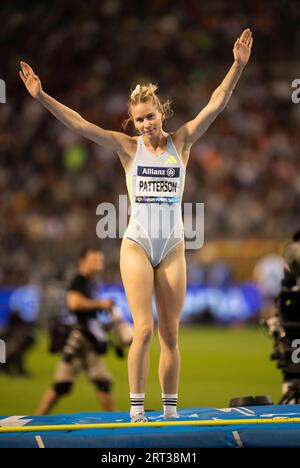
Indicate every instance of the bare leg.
{"type": "Point", "coordinates": [48, 401]}
{"type": "Point", "coordinates": [106, 401]}
{"type": "Point", "coordinates": [170, 288]}
{"type": "Point", "coordinates": [137, 275]}
{"type": "Point", "coordinates": [97, 372]}
{"type": "Point", "coordinates": [64, 375]}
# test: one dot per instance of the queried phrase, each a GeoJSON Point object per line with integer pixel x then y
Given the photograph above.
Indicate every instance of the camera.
{"type": "Point", "coordinates": [121, 332]}
{"type": "Point", "coordinates": [284, 325]}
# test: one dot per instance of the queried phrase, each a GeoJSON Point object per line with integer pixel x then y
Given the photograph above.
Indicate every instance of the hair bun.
{"type": "Point", "coordinates": [136, 91]}
{"type": "Point", "coordinates": [146, 90]}
{"type": "Point", "coordinates": [151, 88]}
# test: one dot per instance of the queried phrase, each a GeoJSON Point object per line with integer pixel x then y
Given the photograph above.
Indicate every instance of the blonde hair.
{"type": "Point", "coordinates": [145, 93]}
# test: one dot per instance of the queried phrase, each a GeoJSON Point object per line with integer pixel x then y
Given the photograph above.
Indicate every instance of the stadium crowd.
{"type": "Point", "coordinates": [89, 55]}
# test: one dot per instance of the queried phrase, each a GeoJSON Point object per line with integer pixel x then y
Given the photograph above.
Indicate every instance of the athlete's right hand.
{"type": "Point", "coordinates": [31, 81]}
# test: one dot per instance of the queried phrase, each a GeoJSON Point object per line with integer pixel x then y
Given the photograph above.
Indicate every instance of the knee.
{"type": "Point", "coordinates": [62, 388]}
{"type": "Point", "coordinates": [104, 386]}
{"type": "Point", "coordinates": [143, 335]}
{"type": "Point", "coordinates": [169, 339]}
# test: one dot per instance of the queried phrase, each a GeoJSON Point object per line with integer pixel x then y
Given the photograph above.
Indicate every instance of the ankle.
{"type": "Point", "coordinates": [137, 403]}
{"type": "Point", "coordinates": [170, 404]}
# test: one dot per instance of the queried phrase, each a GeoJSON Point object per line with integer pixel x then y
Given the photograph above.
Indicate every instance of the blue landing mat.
{"type": "Point", "coordinates": [237, 435]}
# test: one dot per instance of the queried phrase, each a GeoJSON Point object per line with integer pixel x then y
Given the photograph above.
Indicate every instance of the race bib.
{"type": "Point", "coordinates": [157, 184]}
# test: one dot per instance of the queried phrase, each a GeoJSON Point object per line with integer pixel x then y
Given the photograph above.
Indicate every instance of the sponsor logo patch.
{"type": "Point", "coordinates": [147, 171]}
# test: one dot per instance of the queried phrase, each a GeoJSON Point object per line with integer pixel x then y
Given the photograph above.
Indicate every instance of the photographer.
{"type": "Point", "coordinates": [86, 338]}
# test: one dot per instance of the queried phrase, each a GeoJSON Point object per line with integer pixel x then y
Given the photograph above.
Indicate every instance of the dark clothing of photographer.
{"type": "Point", "coordinates": [87, 287]}
{"type": "Point", "coordinates": [87, 322]}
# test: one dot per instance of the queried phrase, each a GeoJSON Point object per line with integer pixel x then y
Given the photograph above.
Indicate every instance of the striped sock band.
{"type": "Point", "coordinates": [137, 403]}
{"type": "Point", "coordinates": [170, 404]}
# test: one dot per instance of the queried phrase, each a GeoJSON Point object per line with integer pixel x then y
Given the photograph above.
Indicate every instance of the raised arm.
{"type": "Point", "coordinates": [116, 141]}
{"type": "Point", "coordinates": [192, 130]}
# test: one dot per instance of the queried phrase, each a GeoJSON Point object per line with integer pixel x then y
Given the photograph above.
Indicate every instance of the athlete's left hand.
{"type": "Point", "coordinates": [242, 47]}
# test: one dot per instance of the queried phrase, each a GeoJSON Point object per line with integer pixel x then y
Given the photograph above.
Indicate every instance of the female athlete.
{"type": "Point", "coordinates": [152, 256]}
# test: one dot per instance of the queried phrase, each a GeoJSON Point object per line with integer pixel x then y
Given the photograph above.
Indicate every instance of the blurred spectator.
{"type": "Point", "coordinates": [245, 169]}
{"type": "Point", "coordinates": [268, 274]}
{"type": "Point", "coordinates": [19, 333]}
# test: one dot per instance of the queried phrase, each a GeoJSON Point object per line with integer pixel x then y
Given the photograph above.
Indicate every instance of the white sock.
{"type": "Point", "coordinates": [170, 404]}
{"type": "Point", "coordinates": [137, 403]}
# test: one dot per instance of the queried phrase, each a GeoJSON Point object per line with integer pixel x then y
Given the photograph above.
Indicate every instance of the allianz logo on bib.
{"type": "Point", "coordinates": [147, 171]}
